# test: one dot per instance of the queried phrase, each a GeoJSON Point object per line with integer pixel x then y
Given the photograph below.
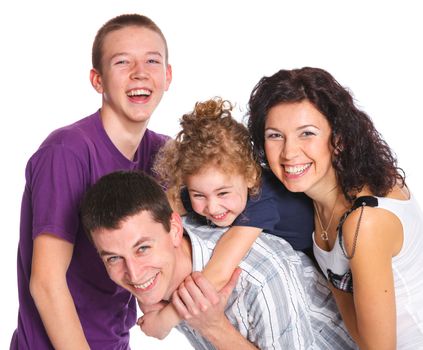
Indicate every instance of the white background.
{"type": "Point", "coordinates": [216, 48]}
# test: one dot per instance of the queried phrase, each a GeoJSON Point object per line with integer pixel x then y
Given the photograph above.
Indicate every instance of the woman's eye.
{"type": "Point", "coordinates": [308, 133]}
{"type": "Point", "coordinates": [273, 135]}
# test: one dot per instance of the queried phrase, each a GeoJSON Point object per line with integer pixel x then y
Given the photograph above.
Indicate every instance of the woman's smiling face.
{"type": "Point", "coordinates": [298, 146]}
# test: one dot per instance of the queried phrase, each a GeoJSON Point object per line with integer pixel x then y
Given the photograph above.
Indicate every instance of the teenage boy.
{"type": "Point", "coordinates": [279, 302]}
{"type": "Point", "coordinates": [66, 299]}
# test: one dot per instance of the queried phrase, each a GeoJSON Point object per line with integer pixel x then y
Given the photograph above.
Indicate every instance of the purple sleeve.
{"type": "Point", "coordinates": [56, 179]}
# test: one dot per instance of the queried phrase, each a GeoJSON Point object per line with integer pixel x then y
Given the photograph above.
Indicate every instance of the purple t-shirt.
{"type": "Point", "coordinates": [69, 161]}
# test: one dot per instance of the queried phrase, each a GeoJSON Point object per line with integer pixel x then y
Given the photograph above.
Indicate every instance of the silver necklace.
{"type": "Point", "coordinates": [324, 233]}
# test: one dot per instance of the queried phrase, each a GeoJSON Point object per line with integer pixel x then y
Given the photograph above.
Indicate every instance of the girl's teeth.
{"type": "Point", "coordinates": [219, 216]}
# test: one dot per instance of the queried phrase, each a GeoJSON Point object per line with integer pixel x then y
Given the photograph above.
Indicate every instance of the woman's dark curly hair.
{"type": "Point", "coordinates": [210, 136]}
{"type": "Point", "coordinates": [361, 157]}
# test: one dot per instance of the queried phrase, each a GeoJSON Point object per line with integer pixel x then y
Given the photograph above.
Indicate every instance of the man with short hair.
{"type": "Point", "coordinates": [279, 302]}
{"type": "Point", "coordinates": [66, 299]}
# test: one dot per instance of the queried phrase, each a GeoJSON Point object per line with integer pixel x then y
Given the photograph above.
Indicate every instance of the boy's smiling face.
{"type": "Point", "coordinates": [134, 74]}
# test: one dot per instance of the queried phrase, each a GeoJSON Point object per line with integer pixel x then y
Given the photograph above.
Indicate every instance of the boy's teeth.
{"type": "Point", "coordinates": [296, 169]}
{"type": "Point", "coordinates": [139, 92]}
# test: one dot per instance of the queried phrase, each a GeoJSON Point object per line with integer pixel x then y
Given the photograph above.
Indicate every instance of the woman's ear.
{"type": "Point", "coordinates": [339, 147]}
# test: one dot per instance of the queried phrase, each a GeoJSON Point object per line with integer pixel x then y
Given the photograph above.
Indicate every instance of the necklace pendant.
{"type": "Point", "coordinates": [324, 235]}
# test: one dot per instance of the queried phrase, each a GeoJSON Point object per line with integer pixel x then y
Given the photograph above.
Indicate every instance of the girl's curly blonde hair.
{"type": "Point", "coordinates": [210, 136]}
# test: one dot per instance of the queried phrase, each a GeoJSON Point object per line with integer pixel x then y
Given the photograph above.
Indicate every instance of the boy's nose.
{"type": "Point", "coordinates": [139, 72]}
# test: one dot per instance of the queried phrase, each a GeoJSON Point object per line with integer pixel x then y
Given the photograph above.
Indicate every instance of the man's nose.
{"type": "Point", "coordinates": [132, 269]}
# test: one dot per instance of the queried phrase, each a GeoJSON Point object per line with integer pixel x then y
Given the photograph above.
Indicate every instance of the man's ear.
{"type": "Point", "coordinates": [176, 229]}
{"type": "Point", "coordinates": [96, 81]}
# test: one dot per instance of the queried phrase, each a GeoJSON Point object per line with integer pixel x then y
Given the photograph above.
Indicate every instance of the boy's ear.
{"type": "Point", "coordinates": [176, 229]}
{"type": "Point", "coordinates": [168, 76]}
{"type": "Point", "coordinates": [96, 81]}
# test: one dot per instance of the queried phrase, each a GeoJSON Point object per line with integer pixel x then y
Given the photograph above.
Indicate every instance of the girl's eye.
{"type": "Point", "coordinates": [197, 195]}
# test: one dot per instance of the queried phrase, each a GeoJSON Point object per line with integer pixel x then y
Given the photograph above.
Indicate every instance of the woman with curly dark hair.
{"type": "Point", "coordinates": [369, 228]}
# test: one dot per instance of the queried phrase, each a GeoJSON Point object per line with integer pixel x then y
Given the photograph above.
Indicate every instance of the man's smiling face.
{"type": "Point", "coordinates": [141, 256]}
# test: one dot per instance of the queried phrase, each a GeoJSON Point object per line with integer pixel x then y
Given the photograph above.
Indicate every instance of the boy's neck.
{"type": "Point", "coordinates": [126, 136]}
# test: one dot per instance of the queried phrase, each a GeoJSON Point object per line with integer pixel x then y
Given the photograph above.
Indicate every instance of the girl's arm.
{"type": "Point", "coordinates": [228, 253]}
{"type": "Point", "coordinates": [370, 313]}
{"type": "Point", "coordinates": [229, 250]}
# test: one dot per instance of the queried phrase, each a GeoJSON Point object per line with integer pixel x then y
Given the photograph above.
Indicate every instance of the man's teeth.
{"type": "Point", "coordinates": [296, 169]}
{"type": "Point", "coordinates": [139, 92]}
{"type": "Point", "coordinates": [146, 284]}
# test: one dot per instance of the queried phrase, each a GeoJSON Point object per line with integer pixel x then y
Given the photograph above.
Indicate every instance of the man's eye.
{"type": "Point", "coordinates": [112, 259]}
{"type": "Point", "coordinates": [121, 62]}
{"type": "Point", "coordinates": [143, 248]}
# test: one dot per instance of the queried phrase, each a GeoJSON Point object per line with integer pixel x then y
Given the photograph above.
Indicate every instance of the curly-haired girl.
{"type": "Point", "coordinates": [369, 228]}
{"type": "Point", "coordinates": [212, 162]}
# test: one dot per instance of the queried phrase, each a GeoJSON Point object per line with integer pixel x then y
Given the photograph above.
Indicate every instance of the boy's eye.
{"type": "Point", "coordinates": [122, 61]}
{"type": "Point", "coordinates": [221, 194]}
{"type": "Point", "coordinates": [152, 60]}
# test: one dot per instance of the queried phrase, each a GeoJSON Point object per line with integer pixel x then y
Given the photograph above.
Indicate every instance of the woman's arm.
{"type": "Point", "coordinates": [370, 313]}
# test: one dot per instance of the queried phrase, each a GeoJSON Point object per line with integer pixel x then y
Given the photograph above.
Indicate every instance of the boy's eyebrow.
{"type": "Point", "coordinates": [156, 53]}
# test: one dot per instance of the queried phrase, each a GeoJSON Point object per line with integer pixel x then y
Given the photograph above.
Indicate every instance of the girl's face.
{"type": "Point", "coordinates": [298, 148]}
{"type": "Point", "coordinates": [218, 195]}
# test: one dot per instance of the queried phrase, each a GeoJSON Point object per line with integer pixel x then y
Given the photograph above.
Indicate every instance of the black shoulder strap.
{"type": "Point", "coordinates": [360, 202]}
